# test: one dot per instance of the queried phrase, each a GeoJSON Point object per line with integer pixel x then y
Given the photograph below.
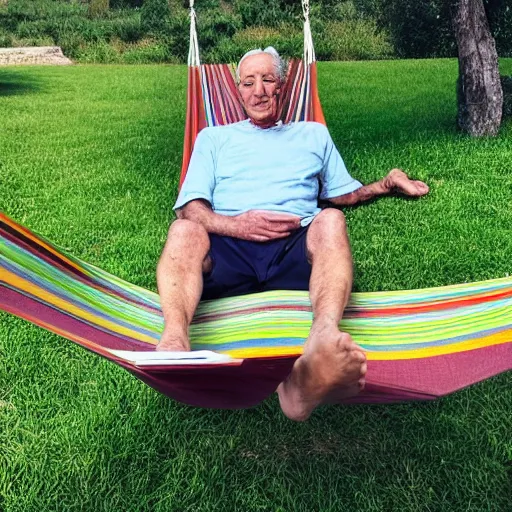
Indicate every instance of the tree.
{"type": "Point", "coordinates": [480, 95]}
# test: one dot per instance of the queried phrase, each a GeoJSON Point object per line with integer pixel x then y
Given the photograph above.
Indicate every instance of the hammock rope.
{"type": "Point", "coordinates": [421, 344]}
{"type": "Point", "coordinates": [193, 50]}
{"type": "Point", "coordinates": [309, 50]}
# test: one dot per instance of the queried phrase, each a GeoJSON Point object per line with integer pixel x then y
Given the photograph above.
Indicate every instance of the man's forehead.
{"type": "Point", "coordinates": [262, 64]}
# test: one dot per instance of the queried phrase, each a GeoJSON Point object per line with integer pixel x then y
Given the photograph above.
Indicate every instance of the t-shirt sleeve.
{"type": "Point", "coordinates": [200, 179]}
{"type": "Point", "coordinates": [336, 181]}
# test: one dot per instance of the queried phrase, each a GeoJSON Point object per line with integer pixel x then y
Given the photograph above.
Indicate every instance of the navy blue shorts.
{"type": "Point", "coordinates": [240, 266]}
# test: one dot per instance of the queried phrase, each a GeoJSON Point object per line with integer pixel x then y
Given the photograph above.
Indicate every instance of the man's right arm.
{"type": "Point", "coordinates": [254, 225]}
{"type": "Point", "coordinates": [194, 201]}
{"type": "Point", "coordinates": [200, 212]}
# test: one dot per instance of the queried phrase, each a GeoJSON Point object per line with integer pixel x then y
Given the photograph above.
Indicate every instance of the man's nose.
{"type": "Point", "coordinates": [259, 90]}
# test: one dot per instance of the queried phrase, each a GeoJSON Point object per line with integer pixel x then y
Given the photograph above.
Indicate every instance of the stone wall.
{"type": "Point", "coordinates": [42, 55]}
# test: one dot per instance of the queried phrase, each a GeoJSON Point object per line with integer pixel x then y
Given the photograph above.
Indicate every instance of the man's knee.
{"type": "Point", "coordinates": [328, 227]}
{"type": "Point", "coordinates": [189, 236]}
{"type": "Point", "coordinates": [329, 222]}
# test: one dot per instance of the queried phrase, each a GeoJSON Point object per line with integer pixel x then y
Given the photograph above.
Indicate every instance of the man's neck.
{"type": "Point", "coordinates": [270, 123]}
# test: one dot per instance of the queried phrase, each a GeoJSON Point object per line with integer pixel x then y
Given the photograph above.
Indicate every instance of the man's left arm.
{"type": "Point", "coordinates": [340, 189]}
{"type": "Point", "coordinates": [395, 182]}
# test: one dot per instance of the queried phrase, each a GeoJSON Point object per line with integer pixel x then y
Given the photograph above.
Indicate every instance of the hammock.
{"type": "Point", "coordinates": [420, 344]}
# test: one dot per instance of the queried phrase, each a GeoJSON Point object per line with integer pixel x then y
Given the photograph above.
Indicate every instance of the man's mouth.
{"type": "Point", "coordinates": [260, 105]}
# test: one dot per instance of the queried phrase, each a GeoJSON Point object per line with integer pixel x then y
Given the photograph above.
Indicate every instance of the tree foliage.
{"type": "Point", "coordinates": [423, 28]}
{"type": "Point", "coordinates": [419, 29]}
{"type": "Point", "coordinates": [346, 29]}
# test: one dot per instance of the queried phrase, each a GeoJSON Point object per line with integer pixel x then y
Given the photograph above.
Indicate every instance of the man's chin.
{"type": "Point", "coordinates": [263, 119]}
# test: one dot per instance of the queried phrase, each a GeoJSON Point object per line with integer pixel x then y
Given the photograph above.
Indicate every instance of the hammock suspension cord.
{"type": "Point", "coordinates": [309, 50]}
{"type": "Point", "coordinates": [193, 50]}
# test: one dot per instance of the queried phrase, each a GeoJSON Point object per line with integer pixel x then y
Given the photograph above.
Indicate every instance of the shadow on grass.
{"type": "Point", "coordinates": [14, 84]}
{"type": "Point", "coordinates": [358, 455]}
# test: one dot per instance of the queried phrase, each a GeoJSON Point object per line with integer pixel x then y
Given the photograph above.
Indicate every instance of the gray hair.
{"type": "Point", "coordinates": [279, 63]}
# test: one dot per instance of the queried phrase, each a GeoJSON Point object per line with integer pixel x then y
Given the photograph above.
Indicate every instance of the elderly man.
{"type": "Point", "coordinates": [248, 221]}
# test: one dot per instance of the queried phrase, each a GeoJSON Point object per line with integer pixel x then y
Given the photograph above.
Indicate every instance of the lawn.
{"type": "Point", "coordinates": [90, 158]}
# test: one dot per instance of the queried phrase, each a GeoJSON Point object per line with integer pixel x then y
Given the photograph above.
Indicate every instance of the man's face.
{"type": "Point", "coordinates": [259, 88]}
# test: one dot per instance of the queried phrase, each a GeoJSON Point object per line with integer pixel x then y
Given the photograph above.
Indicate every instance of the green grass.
{"type": "Point", "coordinates": [90, 156]}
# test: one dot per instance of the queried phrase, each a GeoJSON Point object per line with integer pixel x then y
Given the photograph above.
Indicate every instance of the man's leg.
{"type": "Point", "coordinates": [332, 366]}
{"type": "Point", "coordinates": [180, 281]}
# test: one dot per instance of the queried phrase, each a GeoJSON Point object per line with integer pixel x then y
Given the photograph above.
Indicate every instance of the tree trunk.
{"type": "Point", "coordinates": [480, 97]}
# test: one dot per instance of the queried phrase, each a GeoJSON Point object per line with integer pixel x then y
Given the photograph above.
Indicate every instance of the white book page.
{"type": "Point", "coordinates": [161, 358]}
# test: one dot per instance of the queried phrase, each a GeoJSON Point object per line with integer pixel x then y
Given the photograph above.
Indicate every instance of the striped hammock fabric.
{"type": "Point", "coordinates": [420, 344]}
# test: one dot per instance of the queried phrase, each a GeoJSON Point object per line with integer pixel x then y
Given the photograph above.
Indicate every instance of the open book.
{"type": "Point", "coordinates": [154, 358]}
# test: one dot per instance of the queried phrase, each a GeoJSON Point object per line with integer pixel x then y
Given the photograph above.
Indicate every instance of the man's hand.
{"type": "Point", "coordinates": [398, 181]}
{"type": "Point", "coordinates": [262, 226]}
{"type": "Point", "coordinates": [255, 225]}
{"type": "Point", "coordinates": [395, 181]}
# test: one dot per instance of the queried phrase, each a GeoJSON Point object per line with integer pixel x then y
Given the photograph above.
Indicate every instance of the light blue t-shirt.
{"type": "Point", "coordinates": [285, 168]}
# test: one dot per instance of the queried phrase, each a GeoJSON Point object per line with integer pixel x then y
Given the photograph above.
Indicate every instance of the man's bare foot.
{"type": "Point", "coordinates": [331, 368]}
{"type": "Point", "coordinates": [398, 181]}
{"type": "Point", "coordinates": [172, 341]}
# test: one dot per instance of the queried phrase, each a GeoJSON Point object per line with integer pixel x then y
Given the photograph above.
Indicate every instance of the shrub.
{"type": "Point", "coordinates": [339, 11]}
{"type": "Point", "coordinates": [128, 29]}
{"type": "Point", "coordinates": [6, 39]}
{"type": "Point", "coordinates": [215, 26]}
{"type": "Point", "coordinates": [215, 30]}
{"type": "Point", "coordinates": [71, 43]}
{"type": "Point", "coordinates": [178, 35]}
{"type": "Point", "coordinates": [31, 28]}
{"type": "Point", "coordinates": [368, 9]}
{"type": "Point", "coordinates": [98, 52]}
{"type": "Point", "coordinates": [147, 51]}
{"type": "Point", "coordinates": [24, 10]}
{"type": "Point", "coordinates": [423, 28]}
{"type": "Point", "coordinates": [500, 20]}
{"type": "Point", "coordinates": [59, 29]}
{"type": "Point", "coordinates": [18, 11]}
{"type": "Point", "coordinates": [226, 50]}
{"type": "Point", "coordinates": [287, 39]}
{"type": "Point", "coordinates": [352, 40]}
{"type": "Point", "coordinates": [348, 40]}
{"type": "Point", "coordinates": [268, 13]}
{"type": "Point", "coordinates": [154, 16]}
{"type": "Point", "coordinates": [121, 4]}
{"type": "Point", "coordinates": [83, 28]}
{"type": "Point", "coordinates": [98, 8]}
